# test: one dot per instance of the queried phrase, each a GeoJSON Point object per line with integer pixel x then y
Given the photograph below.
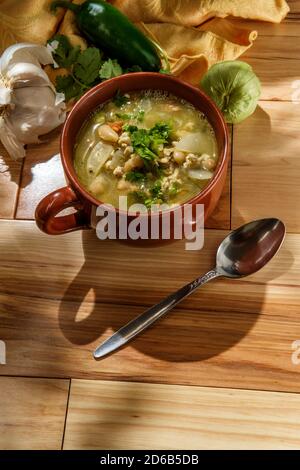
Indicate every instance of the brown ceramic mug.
{"type": "Point", "coordinates": [76, 196]}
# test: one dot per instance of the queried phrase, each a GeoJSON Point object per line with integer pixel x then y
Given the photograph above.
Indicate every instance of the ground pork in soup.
{"type": "Point", "coordinates": [150, 146]}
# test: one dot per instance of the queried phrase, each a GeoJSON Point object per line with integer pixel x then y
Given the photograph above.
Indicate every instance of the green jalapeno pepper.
{"type": "Point", "coordinates": [107, 28]}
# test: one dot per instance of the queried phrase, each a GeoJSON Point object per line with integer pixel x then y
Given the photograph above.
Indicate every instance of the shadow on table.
{"type": "Point", "coordinates": [189, 333]}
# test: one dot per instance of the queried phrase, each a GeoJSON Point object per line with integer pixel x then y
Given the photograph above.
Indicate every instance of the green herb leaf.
{"type": "Point", "coordinates": [135, 176]}
{"type": "Point", "coordinates": [87, 66]}
{"type": "Point", "coordinates": [173, 190]}
{"type": "Point", "coordinates": [140, 196]}
{"type": "Point", "coordinates": [64, 54]}
{"type": "Point", "coordinates": [67, 85]}
{"type": "Point", "coordinates": [124, 116]}
{"type": "Point", "coordinates": [130, 128]}
{"type": "Point", "coordinates": [83, 66]}
{"type": "Point", "coordinates": [140, 116]}
{"type": "Point", "coordinates": [160, 134]}
{"type": "Point", "coordinates": [156, 191]}
{"type": "Point", "coordinates": [165, 71]}
{"type": "Point", "coordinates": [134, 68]}
{"type": "Point", "coordinates": [145, 153]}
{"type": "Point", "coordinates": [146, 142]}
{"type": "Point", "coordinates": [139, 137]}
{"type": "Point", "coordinates": [150, 197]}
{"type": "Point", "coordinates": [109, 69]}
{"type": "Point", "coordinates": [120, 99]}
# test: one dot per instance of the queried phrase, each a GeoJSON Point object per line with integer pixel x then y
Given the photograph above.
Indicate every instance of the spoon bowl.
{"type": "Point", "coordinates": [248, 248]}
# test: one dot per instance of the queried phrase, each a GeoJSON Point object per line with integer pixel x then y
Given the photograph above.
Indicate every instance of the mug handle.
{"type": "Point", "coordinates": [55, 202]}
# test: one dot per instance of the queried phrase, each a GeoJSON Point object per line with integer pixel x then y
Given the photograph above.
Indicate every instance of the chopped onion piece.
{"type": "Point", "coordinates": [98, 156]}
{"type": "Point", "coordinates": [198, 174]}
{"type": "Point", "coordinates": [190, 143]}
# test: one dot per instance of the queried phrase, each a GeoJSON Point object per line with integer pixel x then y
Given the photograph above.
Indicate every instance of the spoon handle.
{"type": "Point", "coordinates": [143, 321]}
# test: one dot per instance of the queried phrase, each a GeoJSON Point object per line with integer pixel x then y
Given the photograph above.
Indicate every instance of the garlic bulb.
{"type": "Point", "coordinates": [29, 104]}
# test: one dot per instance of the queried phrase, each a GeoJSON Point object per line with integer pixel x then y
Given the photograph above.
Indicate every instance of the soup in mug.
{"type": "Point", "coordinates": [150, 146]}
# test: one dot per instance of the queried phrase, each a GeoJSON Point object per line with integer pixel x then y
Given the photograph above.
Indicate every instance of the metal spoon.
{"type": "Point", "coordinates": [244, 251]}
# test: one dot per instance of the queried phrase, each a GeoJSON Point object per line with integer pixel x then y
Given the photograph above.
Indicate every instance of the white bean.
{"type": "Point", "coordinates": [98, 185]}
{"type": "Point", "coordinates": [124, 139]}
{"type": "Point", "coordinates": [179, 157]}
{"type": "Point", "coordinates": [124, 185]}
{"type": "Point", "coordinates": [207, 162]}
{"type": "Point", "coordinates": [128, 150]}
{"type": "Point", "coordinates": [135, 161]}
{"type": "Point", "coordinates": [118, 172]}
{"type": "Point", "coordinates": [107, 133]}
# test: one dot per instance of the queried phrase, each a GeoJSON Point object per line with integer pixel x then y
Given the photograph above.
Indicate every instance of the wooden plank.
{"type": "Point", "coordinates": [10, 171]}
{"type": "Point", "coordinates": [275, 54]}
{"type": "Point", "coordinates": [295, 8]}
{"type": "Point", "coordinates": [116, 415]}
{"type": "Point", "coordinates": [60, 296]}
{"type": "Point", "coordinates": [128, 273]}
{"type": "Point", "coordinates": [32, 413]}
{"type": "Point", "coordinates": [42, 174]}
{"type": "Point", "coordinates": [266, 165]}
{"type": "Point", "coordinates": [220, 218]}
{"type": "Point", "coordinates": [275, 61]}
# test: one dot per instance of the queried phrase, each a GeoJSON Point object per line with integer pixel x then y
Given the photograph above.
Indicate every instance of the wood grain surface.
{"type": "Point", "coordinates": [275, 45]}
{"type": "Point", "coordinates": [10, 174]}
{"type": "Point", "coordinates": [32, 413]}
{"type": "Point", "coordinates": [132, 415]}
{"type": "Point", "coordinates": [275, 55]}
{"type": "Point", "coordinates": [42, 174]}
{"type": "Point", "coordinates": [221, 370]}
{"type": "Point", "coordinates": [60, 296]}
{"type": "Point", "coordinates": [266, 169]}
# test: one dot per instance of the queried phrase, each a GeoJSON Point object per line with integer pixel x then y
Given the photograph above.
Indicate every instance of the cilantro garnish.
{"type": "Point", "coordinates": [109, 69]}
{"type": "Point", "coordinates": [67, 85]}
{"type": "Point", "coordinates": [145, 142]}
{"type": "Point", "coordinates": [63, 53]}
{"type": "Point", "coordinates": [84, 68]}
{"type": "Point", "coordinates": [135, 176]}
{"type": "Point", "coordinates": [120, 99]}
{"type": "Point", "coordinates": [124, 116]}
{"type": "Point", "coordinates": [140, 116]}
{"type": "Point", "coordinates": [160, 134]}
{"type": "Point", "coordinates": [174, 189]}
{"type": "Point", "coordinates": [154, 195]}
{"type": "Point", "coordinates": [134, 68]}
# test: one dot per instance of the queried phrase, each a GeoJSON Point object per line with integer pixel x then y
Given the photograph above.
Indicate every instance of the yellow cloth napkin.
{"type": "Point", "coordinates": [26, 21]}
{"type": "Point", "coordinates": [194, 33]}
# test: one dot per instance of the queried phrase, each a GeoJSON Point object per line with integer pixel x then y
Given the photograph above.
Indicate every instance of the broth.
{"type": "Point", "coordinates": [151, 146]}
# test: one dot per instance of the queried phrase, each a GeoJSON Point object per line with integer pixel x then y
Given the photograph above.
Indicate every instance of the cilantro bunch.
{"type": "Point", "coordinates": [84, 68]}
{"type": "Point", "coordinates": [146, 142]}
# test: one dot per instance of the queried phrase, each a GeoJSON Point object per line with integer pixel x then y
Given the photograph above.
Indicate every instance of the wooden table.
{"type": "Point", "coordinates": [221, 371]}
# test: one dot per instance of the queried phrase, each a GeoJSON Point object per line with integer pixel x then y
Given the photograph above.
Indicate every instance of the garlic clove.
{"type": "Point", "coordinates": [25, 74]}
{"type": "Point", "coordinates": [5, 95]}
{"type": "Point", "coordinates": [31, 105]}
{"type": "Point", "coordinates": [30, 117]}
{"type": "Point", "coordinates": [24, 52]}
